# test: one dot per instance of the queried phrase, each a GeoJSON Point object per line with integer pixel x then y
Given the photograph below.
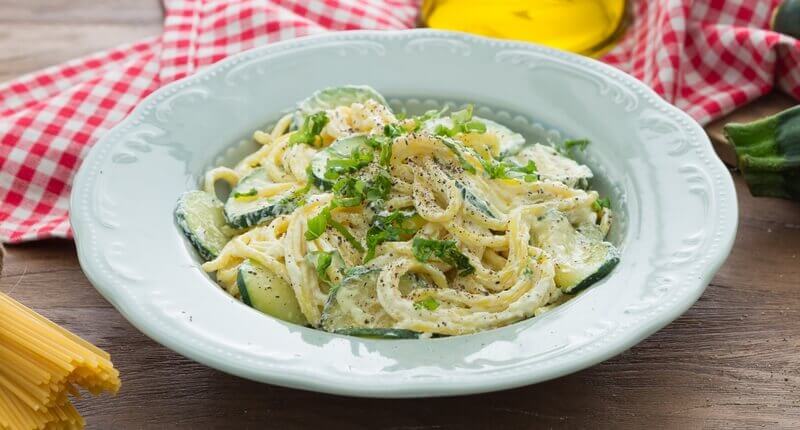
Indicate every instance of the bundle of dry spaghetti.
{"type": "Point", "coordinates": [40, 364]}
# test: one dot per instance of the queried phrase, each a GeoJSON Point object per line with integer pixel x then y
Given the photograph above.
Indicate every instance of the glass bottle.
{"type": "Point", "coordinates": [588, 27]}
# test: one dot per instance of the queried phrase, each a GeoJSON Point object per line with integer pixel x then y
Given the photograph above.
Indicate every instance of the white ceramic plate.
{"type": "Point", "coordinates": [675, 200]}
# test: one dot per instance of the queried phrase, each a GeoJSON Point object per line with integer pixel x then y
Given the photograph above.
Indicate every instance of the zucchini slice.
{"type": "Point", "coordinates": [245, 209]}
{"type": "Point", "coordinates": [342, 148]}
{"type": "Point", "coordinates": [508, 142]}
{"type": "Point", "coordinates": [333, 97]}
{"type": "Point", "coordinates": [379, 333]}
{"type": "Point", "coordinates": [473, 200]}
{"type": "Point", "coordinates": [580, 261]}
{"type": "Point", "coordinates": [353, 304]}
{"type": "Point", "coordinates": [200, 216]}
{"type": "Point", "coordinates": [553, 166]}
{"type": "Point", "coordinates": [267, 292]}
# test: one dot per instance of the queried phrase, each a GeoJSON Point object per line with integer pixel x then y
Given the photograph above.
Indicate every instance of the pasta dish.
{"type": "Point", "coordinates": [358, 220]}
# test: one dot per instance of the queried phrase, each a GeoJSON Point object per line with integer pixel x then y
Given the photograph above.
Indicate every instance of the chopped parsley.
{"type": "Point", "coordinates": [393, 130]}
{"type": "Point", "coordinates": [454, 147]}
{"type": "Point", "coordinates": [359, 158]}
{"type": "Point", "coordinates": [321, 260]}
{"type": "Point", "coordinates": [429, 303]}
{"type": "Point", "coordinates": [427, 116]}
{"type": "Point", "coordinates": [351, 191]}
{"type": "Point", "coordinates": [444, 250]}
{"type": "Point", "coordinates": [462, 123]}
{"type": "Point", "coordinates": [310, 130]}
{"type": "Point", "coordinates": [319, 223]}
{"type": "Point", "coordinates": [384, 145]}
{"type": "Point", "coordinates": [599, 204]}
{"type": "Point", "coordinates": [397, 225]}
{"type": "Point", "coordinates": [508, 169]}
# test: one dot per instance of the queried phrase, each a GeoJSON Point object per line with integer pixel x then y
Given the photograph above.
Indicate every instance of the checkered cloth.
{"type": "Point", "coordinates": [706, 56]}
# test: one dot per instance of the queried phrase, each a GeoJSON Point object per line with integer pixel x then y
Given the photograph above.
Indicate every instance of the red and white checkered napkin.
{"type": "Point", "coordinates": [705, 56]}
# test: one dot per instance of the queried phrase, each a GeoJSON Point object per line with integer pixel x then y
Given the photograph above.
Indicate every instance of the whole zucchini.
{"type": "Point", "coordinates": [768, 153]}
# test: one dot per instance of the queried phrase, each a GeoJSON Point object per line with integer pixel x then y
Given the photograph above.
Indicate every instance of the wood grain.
{"type": "Point", "coordinates": [732, 361]}
{"type": "Point", "coordinates": [38, 33]}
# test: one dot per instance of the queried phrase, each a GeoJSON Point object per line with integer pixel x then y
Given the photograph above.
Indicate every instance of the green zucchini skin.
{"type": "Point", "coordinates": [266, 292]}
{"type": "Point", "coordinates": [200, 217]}
{"type": "Point", "coordinates": [341, 148]}
{"type": "Point", "coordinates": [601, 273]}
{"type": "Point", "coordinates": [262, 215]}
{"type": "Point", "coordinates": [333, 97]}
{"type": "Point", "coordinates": [786, 18]}
{"type": "Point", "coordinates": [379, 333]}
{"type": "Point", "coordinates": [249, 213]}
{"type": "Point", "coordinates": [768, 154]}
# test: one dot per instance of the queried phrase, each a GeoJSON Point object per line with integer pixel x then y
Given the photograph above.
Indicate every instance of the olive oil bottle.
{"type": "Point", "coordinates": [588, 27]}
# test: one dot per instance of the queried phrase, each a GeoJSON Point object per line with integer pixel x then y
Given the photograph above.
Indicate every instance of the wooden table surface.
{"type": "Point", "coordinates": [733, 360]}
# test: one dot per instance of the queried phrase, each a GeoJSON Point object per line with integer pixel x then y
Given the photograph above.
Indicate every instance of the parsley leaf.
{"type": "Point", "coordinates": [427, 116]}
{"type": "Point", "coordinates": [462, 123]}
{"type": "Point", "coordinates": [351, 192]}
{"type": "Point", "coordinates": [318, 224]}
{"type": "Point", "coordinates": [347, 235]}
{"type": "Point", "coordinates": [310, 130]}
{"type": "Point", "coordinates": [429, 303]}
{"type": "Point", "coordinates": [393, 130]}
{"type": "Point", "coordinates": [321, 260]}
{"type": "Point", "coordinates": [359, 158]}
{"type": "Point", "coordinates": [444, 250]}
{"type": "Point", "coordinates": [397, 225]}
{"type": "Point", "coordinates": [508, 169]}
{"type": "Point", "coordinates": [599, 204]}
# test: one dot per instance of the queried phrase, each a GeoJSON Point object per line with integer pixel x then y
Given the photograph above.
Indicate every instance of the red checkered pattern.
{"type": "Point", "coordinates": [705, 56]}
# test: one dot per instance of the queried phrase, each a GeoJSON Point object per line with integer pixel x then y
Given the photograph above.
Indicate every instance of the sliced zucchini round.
{"type": "Point", "coordinates": [553, 166]}
{"type": "Point", "coordinates": [379, 333]}
{"type": "Point", "coordinates": [354, 303]}
{"type": "Point", "coordinates": [245, 209]}
{"type": "Point", "coordinates": [200, 216]}
{"type": "Point", "coordinates": [580, 261]}
{"type": "Point", "coordinates": [267, 292]}
{"type": "Point", "coordinates": [342, 148]}
{"type": "Point", "coordinates": [508, 141]}
{"type": "Point", "coordinates": [333, 97]}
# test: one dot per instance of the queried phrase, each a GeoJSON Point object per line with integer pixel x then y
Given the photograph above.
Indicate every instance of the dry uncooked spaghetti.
{"type": "Point", "coordinates": [41, 364]}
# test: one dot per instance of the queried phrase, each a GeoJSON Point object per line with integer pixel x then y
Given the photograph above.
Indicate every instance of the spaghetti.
{"type": "Point", "coordinates": [376, 225]}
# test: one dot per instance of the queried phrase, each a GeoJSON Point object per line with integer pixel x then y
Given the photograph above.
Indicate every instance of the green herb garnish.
{"type": "Point", "coordinates": [462, 123]}
{"type": "Point", "coordinates": [427, 116]}
{"type": "Point", "coordinates": [310, 130]}
{"type": "Point", "coordinates": [321, 260]}
{"type": "Point", "coordinates": [429, 303]}
{"type": "Point", "coordinates": [599, 204]}
{"type": "Point", "coordinates": [393, 130]}
{"type": "Point", "coordinates": [508, 169]}
{"type": "Point", "coordinates": [318, 224]}
{"type": "Point", "coordinates": [444, 250]}
{"type": "Point", "coordinates": [351, 191]}
{"type": "Point", "coordinates": [396, 226]}
{"type": "Point", "coordinates": [359, 158]}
